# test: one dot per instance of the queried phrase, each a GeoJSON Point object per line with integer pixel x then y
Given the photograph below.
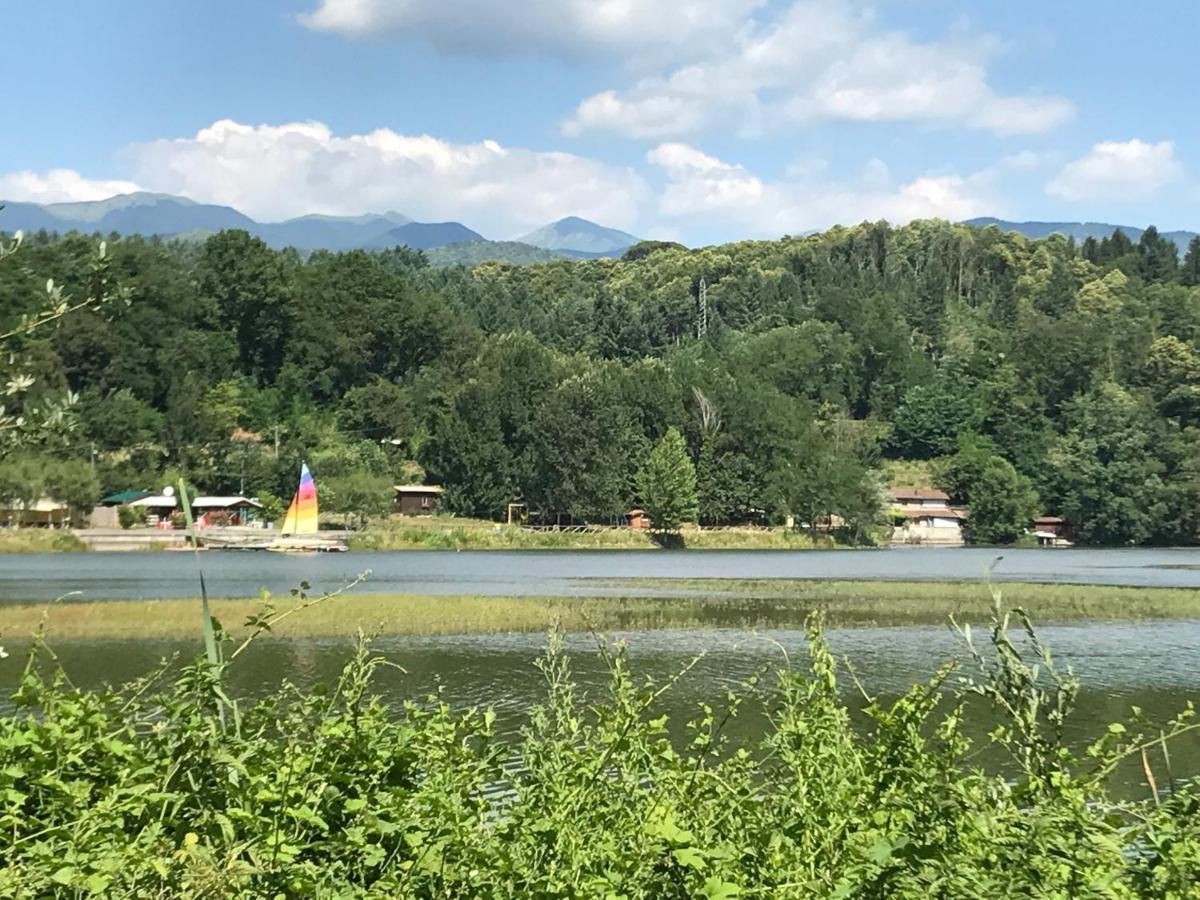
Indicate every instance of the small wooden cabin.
{"type": "Point", "coordinates": [639, 520]}
{"type": "Point", "coordinates": [1052, 531]}
{"type": "Point", "coordinates": [417, 499]}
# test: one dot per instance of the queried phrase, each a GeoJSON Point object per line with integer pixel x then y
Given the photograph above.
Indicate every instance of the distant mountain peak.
{"type": "Point", "coordinates": [580, 235]}
{"type": "Point", "coordinates": [425, 235]}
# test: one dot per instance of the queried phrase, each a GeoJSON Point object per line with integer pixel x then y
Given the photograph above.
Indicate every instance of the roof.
{"type": "Point", "coordinates": [927, 513]}
{"type": "Point", "coordinates": [124, 497]}
{"type": "Point", "coordinates": [1049, 520]}
{"type": "Point", "coordinates": [418, 488]}
{"type": "Point", "coordinates": [224, 503]}
{"type": "Point", "coordinates": [905, 493]}
{"type": "Point", "coordinates": [156, 501]}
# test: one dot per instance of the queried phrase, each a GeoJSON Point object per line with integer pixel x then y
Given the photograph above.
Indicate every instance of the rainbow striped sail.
{"type": "Point", "coordinates": [301, 516]}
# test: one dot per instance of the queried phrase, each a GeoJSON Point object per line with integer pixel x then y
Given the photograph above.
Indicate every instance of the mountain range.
{"type": "Point", "coordinates": [1079, 230]}
{"type": "Point", "coordinates": [165, 215]}
{"type": "Point", "coordinates": [446, 243]}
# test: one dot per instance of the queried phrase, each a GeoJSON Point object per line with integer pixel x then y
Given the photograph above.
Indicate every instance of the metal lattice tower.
{"type": "Point", "coordinates": [702, 312]}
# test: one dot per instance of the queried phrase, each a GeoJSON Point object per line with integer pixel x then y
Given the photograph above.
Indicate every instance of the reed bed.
{"type": "Point", "coordinates": [39, 540]}
{"type": "Point", "coordinates": [452, 534]}
{"type": "Point", "coordinates": [703, 604]}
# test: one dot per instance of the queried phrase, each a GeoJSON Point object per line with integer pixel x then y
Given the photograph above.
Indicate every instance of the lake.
{"type": "Point", "coordinates": [1155, 665]}
{"type": "Point", "coordinates": [561, 572]}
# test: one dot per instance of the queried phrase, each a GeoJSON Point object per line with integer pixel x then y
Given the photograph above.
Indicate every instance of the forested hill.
{"type": "Point", "coordinates": [1039, 375]}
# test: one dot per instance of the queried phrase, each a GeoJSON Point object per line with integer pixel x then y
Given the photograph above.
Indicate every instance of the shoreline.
{"type": "Point", "coordinates": [431, 537]}
{"type": "Point", "coordinates": [711, 603]}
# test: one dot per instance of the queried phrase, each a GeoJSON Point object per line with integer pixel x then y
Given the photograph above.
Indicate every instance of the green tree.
{"type": "Point", "coordinates": [1003, 504]}
{"type": "Point", "coordinates": [1172, 375]}
{"type": "Point", "coordinates": [1105, 469]}
{"type": "Point", "coordinates": [249, 285]}
{"type": "Point", "coordinates": [667, 484]}
{"type": "Point", "coordinates": [73, 482]}
{"type": "Point", "coordinates": [929, 419]}
{"type": "Point", "coordinates": [359, 495]}
{"type": "Point", "coordinates": [584, 449]}
{"type": "Point", "coordinates": [1189, 272]}
{"type": "Point", "coordinates": [1158, 257]}
{"type": "Point", "coordinates": [22, 484]}
{"type": "Point", "coordinates": [725, 484]}
{"type": "Point", "coordinates": [120, 421]}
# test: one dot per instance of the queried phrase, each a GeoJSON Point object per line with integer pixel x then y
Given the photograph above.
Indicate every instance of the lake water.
{"type": "Point", "coordinates": [240, 574]}
{"type": "Point", "coordinates": [1154, 665]}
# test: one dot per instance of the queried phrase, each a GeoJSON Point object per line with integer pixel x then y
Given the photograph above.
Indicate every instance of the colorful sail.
{"type": "Point", "coordinates": [301, 516]}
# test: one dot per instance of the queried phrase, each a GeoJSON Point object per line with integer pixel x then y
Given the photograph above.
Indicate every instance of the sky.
{"type": "Point", "coordinates": [693, 120]}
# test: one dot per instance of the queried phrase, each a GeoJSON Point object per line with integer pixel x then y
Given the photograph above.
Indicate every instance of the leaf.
{"type": "Point", "coordinates": [716, 889]}
{"type": "Point", "coordinates": [97, 883]}
{"type": "Point", "coordinates": [880, 851]}
{"type": "Point", "coordinates": [666, 829]}
{"type": "Point", "coordinates": [691, 857]}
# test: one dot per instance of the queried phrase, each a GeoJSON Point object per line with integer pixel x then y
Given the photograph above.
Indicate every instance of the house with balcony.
{"type": "Point", "coordinates": [925, 516]}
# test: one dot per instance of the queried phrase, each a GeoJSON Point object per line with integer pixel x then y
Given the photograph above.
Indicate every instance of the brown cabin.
{"type": "Point", "coordinates": [639, 520]}
{"type": "Point", "coordinates": [417, 499]}
{"type": "Point", "coordinates": [1052, 531]}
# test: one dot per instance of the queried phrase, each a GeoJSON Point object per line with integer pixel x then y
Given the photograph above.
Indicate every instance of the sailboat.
{"type": "Point", "coordinates": [301, 521]}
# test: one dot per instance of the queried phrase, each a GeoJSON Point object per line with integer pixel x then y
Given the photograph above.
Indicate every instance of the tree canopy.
{"type": "Point", "coordinates": [819, 358]}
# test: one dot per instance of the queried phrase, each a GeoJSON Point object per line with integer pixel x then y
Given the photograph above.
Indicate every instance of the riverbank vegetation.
{"type": "Point", "coordinates": [452, 533]}
{"type": "Point", "coordinates": [39, 540]}
{"type": "Point", "coordinates": [170, 787]}
{"type": "Point", "coordinates": [635, 605]}
{"type": "Point", "coordinates": [817, 360]}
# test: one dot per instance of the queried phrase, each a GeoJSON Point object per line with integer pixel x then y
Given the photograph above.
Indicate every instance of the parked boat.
{"type": "Point", "coordinates": [299, 531]}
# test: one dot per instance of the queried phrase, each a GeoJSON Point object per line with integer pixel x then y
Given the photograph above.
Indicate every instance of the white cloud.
{"type": "Point", "coordinates": [1023, 161]}
{"type": "Point", "coordinates": [701, 185]}
{"type": "Point", "coordinates": [59, 186]}
{"type": "Point", "coordinates": [820, 59]}
{"type": "Point", "coordinates": [556, 27]}
{"type": "Point", "coordinates": [1117, 170]}
{"type": "Point", "coordinates": [276, 171]}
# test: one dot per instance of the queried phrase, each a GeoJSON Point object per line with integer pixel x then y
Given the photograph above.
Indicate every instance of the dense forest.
{"type": "Point", "coordinates": [1036, 375]}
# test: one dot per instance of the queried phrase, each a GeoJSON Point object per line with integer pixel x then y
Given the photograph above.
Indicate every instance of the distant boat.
{"type": "Point", "coordinates": [301, 520]}
{"type": "Point", "coordinates": [301, 516]}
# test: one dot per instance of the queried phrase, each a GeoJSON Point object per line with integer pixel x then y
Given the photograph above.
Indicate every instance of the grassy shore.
{"type": "Point", "coordinates": [449, 533]}
{"type": "Point", "coordinates": [39, 540]}
{"type": "Point", "coordinates": [727, 604]}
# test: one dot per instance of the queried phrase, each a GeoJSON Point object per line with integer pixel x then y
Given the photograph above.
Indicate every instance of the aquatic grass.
{"type": "Point", "coordinates": [448, 533]}
{"type": "Point", "coordinates": [707, 603]}
{"type": "Point", "coordinates": [39, 540]}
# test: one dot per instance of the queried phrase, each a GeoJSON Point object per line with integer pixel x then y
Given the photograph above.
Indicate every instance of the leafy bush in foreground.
{"type": "Point", "coordinates": [166, 787]}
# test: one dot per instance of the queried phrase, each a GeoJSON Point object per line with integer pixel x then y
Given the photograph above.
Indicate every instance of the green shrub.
{"type": "Point", "coordinates": [165, 787]}
{"type": "Point", "coordinates": [129, 516]}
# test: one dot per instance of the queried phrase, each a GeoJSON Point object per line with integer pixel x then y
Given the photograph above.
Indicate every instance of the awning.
{"type": "Point", "coordinates": [122, 497]}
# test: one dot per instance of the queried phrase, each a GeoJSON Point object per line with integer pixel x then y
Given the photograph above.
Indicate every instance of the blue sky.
{"type": "Point", "coordinates": [699, 120]}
